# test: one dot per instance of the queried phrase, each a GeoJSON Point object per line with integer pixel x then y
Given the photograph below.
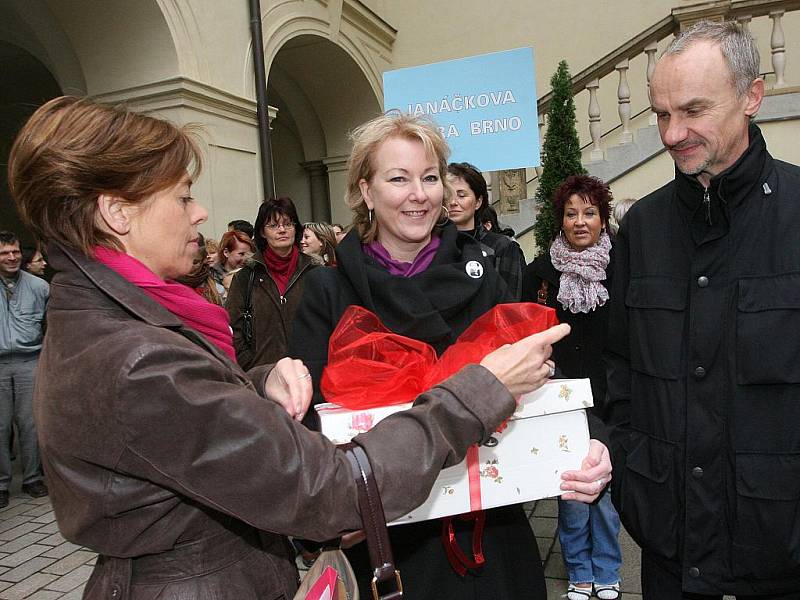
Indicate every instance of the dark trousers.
{"type": "Point", "coordinates": [661, 584]}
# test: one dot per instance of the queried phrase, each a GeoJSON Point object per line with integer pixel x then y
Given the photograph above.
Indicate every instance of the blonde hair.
{"type": "Point", "coordinates": [366, 140]}
{"type": "Point", "coordinates": [327, 236]}
{"type": "Point", "coordinates": [72, 150]}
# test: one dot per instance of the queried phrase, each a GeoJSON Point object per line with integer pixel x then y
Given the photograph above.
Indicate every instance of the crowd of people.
{"type": "Point", "coordinates": [192, 459]}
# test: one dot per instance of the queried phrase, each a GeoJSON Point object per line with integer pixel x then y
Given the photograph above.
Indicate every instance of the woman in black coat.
{"type": "Point", "coordinates": [574, 278]}
{"type": "Point", "coordinates": [411, 267]}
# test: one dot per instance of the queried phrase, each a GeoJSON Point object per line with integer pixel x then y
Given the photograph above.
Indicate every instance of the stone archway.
{"type": "Point", "coordinates": [50, 48]}
{"type": "Point", "coordinates": [321, 94]}
{"type": "Point", "coordinates": [25, 84]}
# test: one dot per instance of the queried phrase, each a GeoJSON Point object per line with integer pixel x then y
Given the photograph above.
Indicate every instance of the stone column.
{"type": "Point", "coordinates": [337, 186]}
{"type": "Point", "coordinates": [595, 130]}
{"type": "Point", "coordinates": [513, 189]}
{"type": "Point", "coordinates": [778, 44]}
{"type": "Point", "coordinates": [320, 197]}
{"type": "Point", "coordinates": [650, 50]}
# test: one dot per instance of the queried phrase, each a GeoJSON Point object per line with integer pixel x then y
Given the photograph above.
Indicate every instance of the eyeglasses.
{"type": "Point", "coordinates": [274, 226]}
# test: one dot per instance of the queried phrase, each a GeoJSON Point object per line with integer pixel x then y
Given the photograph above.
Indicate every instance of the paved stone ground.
{"type": "Point", "coordinates": [543, 516]}
{"type": "Point", "coordinates": [38, 564]}
{"type": "Point", "coordinates": [35, 561]}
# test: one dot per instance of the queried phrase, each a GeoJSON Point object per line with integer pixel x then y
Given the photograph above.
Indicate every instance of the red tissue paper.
{"type": "Point", "coordinates": [369, 365]}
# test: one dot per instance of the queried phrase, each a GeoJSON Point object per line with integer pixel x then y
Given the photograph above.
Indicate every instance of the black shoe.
{"type": "Point", "coordinates": [3, 498]}
{"type": "Point", "coordinates": [35, 489]}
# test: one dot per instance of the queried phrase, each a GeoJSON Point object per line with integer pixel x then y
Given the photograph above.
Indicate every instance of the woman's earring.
{"type": "Point", "coordinates": [444, 218]}
{"type": "Point", "coordinates": [369, 214]}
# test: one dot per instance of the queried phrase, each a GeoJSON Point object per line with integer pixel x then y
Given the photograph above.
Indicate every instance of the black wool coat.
{"type": "Point", "coordinates": [580, 354]}
{"type": "Point", "coordinates": [434, 306]}
{"type": "Point", "coordinates": [704, 376]}
{"type": "Point", "coordinates": [508, 258]}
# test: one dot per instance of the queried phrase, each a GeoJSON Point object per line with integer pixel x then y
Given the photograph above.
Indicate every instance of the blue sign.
{"type": "Point", "coordinates": [485, 106]}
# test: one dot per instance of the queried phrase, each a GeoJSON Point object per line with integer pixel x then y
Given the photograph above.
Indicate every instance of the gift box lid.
{"type": "Point", "coordinates": [556, 396]}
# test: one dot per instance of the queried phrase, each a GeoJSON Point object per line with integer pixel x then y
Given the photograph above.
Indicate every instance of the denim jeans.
{"type": "Point", "coordinates": [589, 535]}
{"type": "Point", "coordinates": [17, 375]}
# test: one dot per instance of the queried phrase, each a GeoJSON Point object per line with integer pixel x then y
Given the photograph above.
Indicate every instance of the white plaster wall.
{"type": "Point", "coordinates": [119, 44]}
{"type": "Point", "coordinates": [122, 45]}
{"type": "Point", "coordinates": [290, 178]}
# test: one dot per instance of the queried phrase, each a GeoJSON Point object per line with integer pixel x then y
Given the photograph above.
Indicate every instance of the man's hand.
{"type": "Point", "coordinates": [289, 384]}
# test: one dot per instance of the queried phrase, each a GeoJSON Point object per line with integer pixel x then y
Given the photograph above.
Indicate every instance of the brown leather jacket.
{"type": "Point", "coordinates": [164, 456]}
{"type": "Point", "coordinates": [273, 313]}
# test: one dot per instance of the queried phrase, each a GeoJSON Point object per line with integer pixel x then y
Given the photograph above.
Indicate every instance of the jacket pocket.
{"type": "Point", "coordinates": [767, 318]}
{"type": "Point", "coordinates": [656, 313]}
{"type": "Point", "coordinates": [766, 540]}
{"type": "Point", "coordinates": [646, 496]}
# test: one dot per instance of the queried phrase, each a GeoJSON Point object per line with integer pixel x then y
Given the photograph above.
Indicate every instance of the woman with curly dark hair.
{"type": "Point", "coordinates": [574, 278]}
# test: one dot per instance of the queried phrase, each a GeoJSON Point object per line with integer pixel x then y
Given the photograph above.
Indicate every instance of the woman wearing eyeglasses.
{"type": "Point", "coordinates": [272, 281]}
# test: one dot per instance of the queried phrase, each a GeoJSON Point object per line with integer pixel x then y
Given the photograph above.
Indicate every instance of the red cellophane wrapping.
{"type": "Point", "coordinates": [370, 366]}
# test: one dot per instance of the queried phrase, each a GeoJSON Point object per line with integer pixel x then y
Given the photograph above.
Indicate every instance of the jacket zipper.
{"type": "Point", "coordinates": [282, 298]}
{"type": "Point", "coordinates": [707, 202]}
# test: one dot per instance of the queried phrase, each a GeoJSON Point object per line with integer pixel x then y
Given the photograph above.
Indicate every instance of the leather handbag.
{"type": "Point", "coordinates": [384, 574]}
{"type": "Point", "coordinates": [346, 585]}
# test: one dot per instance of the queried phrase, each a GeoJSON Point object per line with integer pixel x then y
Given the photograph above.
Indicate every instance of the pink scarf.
{"type": "Point", "coordinates": [195, 311]}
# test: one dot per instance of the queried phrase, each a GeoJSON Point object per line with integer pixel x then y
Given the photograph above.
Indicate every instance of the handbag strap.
{"type": "Point", "coordinates": [248, 294]}
{"type": "Point", "coordinates": [247, 310]}
{"type": "Point", "coordinates": [369, 500]}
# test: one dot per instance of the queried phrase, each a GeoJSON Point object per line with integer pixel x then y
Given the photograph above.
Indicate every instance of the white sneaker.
{"type": "Point", "coordinates": [576, 593]}
{"type": "Point", "coordinates": [607, 592]}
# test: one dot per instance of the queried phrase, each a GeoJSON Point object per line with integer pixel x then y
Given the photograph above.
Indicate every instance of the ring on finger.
{"type": "Point", "coordinates": [552, 371]}
{"type": "Point", "coordinates": [304, 376]}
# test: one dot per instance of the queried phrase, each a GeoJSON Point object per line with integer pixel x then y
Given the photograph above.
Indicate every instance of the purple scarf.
{"type": "Point", "coordinates": [421, 262]}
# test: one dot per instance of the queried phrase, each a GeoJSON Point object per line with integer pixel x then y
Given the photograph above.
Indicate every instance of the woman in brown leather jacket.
{"type": "Point", "coordinates": [181, 470]}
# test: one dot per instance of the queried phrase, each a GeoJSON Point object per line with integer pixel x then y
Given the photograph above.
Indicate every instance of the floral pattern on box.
{"type": "Point", "coordinates": [362, 421]}
{"type": "Point", "coordinates": [547, 435]}
{"type": "Point", "coordinates": [491, 471]}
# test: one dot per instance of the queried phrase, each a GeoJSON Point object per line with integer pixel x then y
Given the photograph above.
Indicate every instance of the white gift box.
{"type": "Point", "coordinates": [547, 435]}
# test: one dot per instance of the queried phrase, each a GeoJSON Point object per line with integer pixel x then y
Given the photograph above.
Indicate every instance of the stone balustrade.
{"type": "Point", "coordinates": [615, 66]}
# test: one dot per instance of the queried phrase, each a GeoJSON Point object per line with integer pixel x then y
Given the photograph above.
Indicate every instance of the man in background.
{"type": "Point", "coordinates": [22, 307]}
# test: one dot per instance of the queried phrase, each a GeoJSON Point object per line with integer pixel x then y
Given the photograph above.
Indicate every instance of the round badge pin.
{"type": "Point", "coordinates": [474, 269]}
